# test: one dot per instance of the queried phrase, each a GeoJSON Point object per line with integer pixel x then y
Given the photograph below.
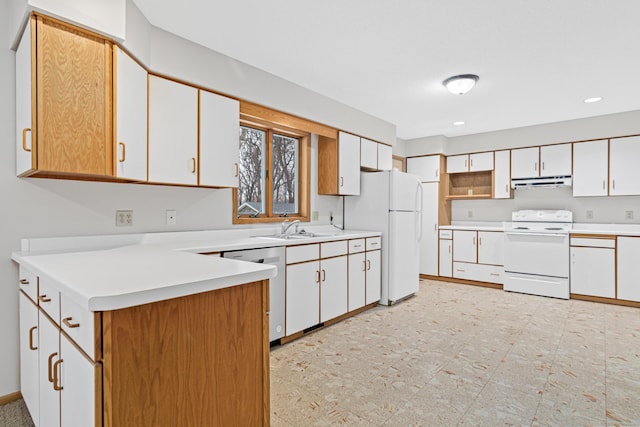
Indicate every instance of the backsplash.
{"type": "Point", "coordinates": [585, 209]}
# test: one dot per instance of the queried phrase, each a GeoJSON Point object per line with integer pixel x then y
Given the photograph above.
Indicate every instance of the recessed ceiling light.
{"type": "Point", "coordinates": [458, 123]}
{"type": "Point", "coordinates": [594, 99]}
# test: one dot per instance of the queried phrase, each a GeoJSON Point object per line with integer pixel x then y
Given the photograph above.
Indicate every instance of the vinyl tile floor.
{"type": "Point", "coordinates": [458, 355]}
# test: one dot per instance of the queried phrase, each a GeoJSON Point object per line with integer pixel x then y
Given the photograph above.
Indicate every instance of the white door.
{"type": "Point", "coordinates": [481, 162]}
{"type": "Point", "coordinates": [491, 247]}
{"type": "Point", "coordinates": [593, 271]}
{"type": "Point", "coordinates": [458, 164]}
{"type": "Point", "coordinates": [446, 258]}
{"type": "Point", "coordinates": [555, 160]}
{"type": "Point", "coordinates": [405, 192]}
{"type": "Point", "coordinates": [502, 175]}
{"type": "Point", "coordinates": [357, 272]}
{"type": "Point", "coordinates": [368, 154]}
{"type": "Point", "coordinates": [130, 83]}
{"type": "Point", "coordinates": [219, 143]}
{"type": "Point", "coordinates": [333, 288]}
{"type": "Point", "coordinates": [29, 356]}
{"type": "Point", "coordinates": [173, 132]}
{"type": "Point", "coordinates": [348, 164]}
{"type": "Point", "coordinates": [24, 134]}
{"type": "Point", "coordinates": [303, 296]}
{"type": "Point", "coordinates": [429, 242]}
{"type": "Point", "coordinates": [524, 162]}
{"type": "Point", "coordinates": [465, 246]}
{"type": "Point", "coordinates": [372, 293]}
{"type": "Point", "coordinates": [628, 252]}
{"type": "Point", "coordinates": [385, 157]}
{"type": "Point", "coordinates": [590, 168]}
{"type": "Point", "coordinates": [404, 255]}
{"type": "Point", "coordinates": [427, 168]}
{"type": "Point", "coordinates": [49, 345]}
{"type": "Point", "coordinates": [78, 381]}
{"type": "Point", "coordinates": [624, 168]}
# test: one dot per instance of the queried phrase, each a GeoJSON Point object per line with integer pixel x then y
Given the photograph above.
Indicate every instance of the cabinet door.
{"type": "Point", "coordinates": [357, 273]}
{"type": "Point", "coordinates": [481, 162]}
{"type": "Point", "coordinates": [49, 353]}
{"type": "Point", "coordinates": [458, 164]}
{"type": "Point", "coordinates": [624, 167]}
{"type": "Point", "coordinates": [78, 399]}
{"type": "Point", "coordinates": [173, 132]}
{"type": "Point", "coordinates": [368, 154]}
{"type": "Point", "coordinates": [131, 118]}
{"type": "Point", "coordinates": [429, 242]}
{"type": "Point", "coordinates": [502, 175]}
{"type": "Point", "coordinates": [464, 246]}
{"type": "Point", "coordinates": [590, 168]}
{"type": "Point", "coordinates": [555, 160]}
{"type": "Point", "coordinates": [446, 258]}
{"type": "Point", "coordinates": [491, 247]}
{"type": "Point", "coordinates": [29, 356]}
{"type": "Point", "coordinates": [348, 164]}
{"type": "Point", "coordinates": [24, 109]}
{"type": "Point", "coordinates": [219, 149]}
{"type": "Point", "coordinates": [374, 277]}
{"type": "Point", "coordinates": [303, 296]}
{"type": "Point", "coordinates": [426, 167]}
{"type": "Point", "coordinates": [333, 288]}
{"type": "Point", "coordinates": [524, 162]}
{"type": "Point", "coordinates": [593, 272]}
{"type": "Point", "coordinates": [628, 253]}
{"type": "Point", "coordinates": [385, 157]}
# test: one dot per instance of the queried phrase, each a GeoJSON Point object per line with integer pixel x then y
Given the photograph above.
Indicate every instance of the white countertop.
{"type": "Point", "coordinates": [474, 225]}
{"type": "Point", "coordinates": [616, 229]}
{"type": "Point", "coordinates": [149, 267]}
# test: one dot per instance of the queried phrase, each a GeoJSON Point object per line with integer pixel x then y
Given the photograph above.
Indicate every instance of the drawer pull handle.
{"type": "Point", "coordinates": [67, 322]}
{"type": "Point", "coordinates": [324, 275]}
{"type": "Point", "coordinates": [49, 374]}
{"type": "Point", "coordinates": [494, 274]}
{"type": "Point", "coordinates": [341, 181]}
{"type": "Point", "coordinates": [317, 276]}
{"type": "Point", "coordinates": [123, 152]}
{"type": "Point", "coordinates": [24, 139]}
{"type": "Point", "coordinates": [237, 170]}
{"type": "Point", "coordinates": [357, 246]}
{"type": "Point", "coordinates": [193, 165]}
{"type": "Point", "coordinates": [56, 378]}
{"type": "Point", "coordinates": [368, 264]}
{"type": "Point", "coordinates": [364, 265]}
{"type": "Point", "coordinates": [24, 281]}
{"type": "Point", "coordinates": [31, 346]}
{"type": "Point", "coordinates": [44, 298]}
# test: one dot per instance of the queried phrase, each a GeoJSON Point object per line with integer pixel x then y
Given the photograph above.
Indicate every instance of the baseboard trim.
{"type": "Point", "coordinates": [11, 397]}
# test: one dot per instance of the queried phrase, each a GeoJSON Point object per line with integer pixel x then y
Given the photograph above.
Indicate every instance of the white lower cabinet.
{"type": "Point", "coordinates": [465, 247]}
{"type": "Point", "coordinates": [29, 356]}
{"type": "Point", "coordinates": [302, 296]}
{"type": "Point", "coordinates": [628, 254]}
{"type": "Point", "coordinates": [48, 357]}
{"type": "Point", "coordinates": [477, 255]}
{"type": "Point", "coordinates": [78, 397]}
{"type": "Point", "coordinates": [478, 272]}
{"type": "Point", "coordinates": [364, 272]}
{"type": "Point", "coordinates": [446, 258]}
{"type": "Point", "coordinates": [333, 288]}
{"type": "Point", "coordinates": [357, 280]}
{"type": "Point", "coordinates": [373, 277]}
{"type": "Point", "coordinates": [593, 270]}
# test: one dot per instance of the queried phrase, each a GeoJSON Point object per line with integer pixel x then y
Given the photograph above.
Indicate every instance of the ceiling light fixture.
{"type": "Point", "coordinates": [459, 85]}
{"type": "Point", "coordinates": [458, 123]}
{"type": "Point", "coordinates": [594, 99]}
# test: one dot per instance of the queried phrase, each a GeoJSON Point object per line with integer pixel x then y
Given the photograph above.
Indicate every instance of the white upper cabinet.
{"type": "Point", "coordinates": [385, 157]}
{"type": "Point", "coordinates": [348, 164]}
{"type": "Point", "coordinates": [173, 132]}
{"type": "Point", "coordinates": [475, 162]}
{"type": "Point", "coordinates": [525, 162]}
{"type": "Point", "coordinates": [624, 166]}
{"type": "Point", "coordinates": [457, 164]}
{"type": "Point", "coordinates": [219, 140]}
{"type": "Point", "coordinates": [590, 168]}
{"type": "Point", "coordinates": [426, 167]}
{"type": "Point", "coordinates": [130, 82]}
{"type": "Point", "coordinates": [368, 154]}
{"type": "Point", "coordinates": [555, 160]}
{"type": "Point", "coordinates": [502, 175]}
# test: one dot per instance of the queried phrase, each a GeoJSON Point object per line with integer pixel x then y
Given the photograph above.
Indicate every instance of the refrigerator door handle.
{"type": "Point", "coordinates": [419, 201]}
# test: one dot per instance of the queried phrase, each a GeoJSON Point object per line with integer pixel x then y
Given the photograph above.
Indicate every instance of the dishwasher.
{"type": "Point", "coordinates": [272, 256]}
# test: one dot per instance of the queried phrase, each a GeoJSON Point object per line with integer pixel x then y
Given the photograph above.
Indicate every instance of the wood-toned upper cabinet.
{"type": "Point", "coordinates": [130, 82]}
{"type": "Point", "coordinates": [64, 98]}
{"type": "Point", "coordinates": [219, 140]}
{"type": "Point", "coordinates": [339, 165]}
{"type": "Point", "coordinates": [624, 166]}
{"type": "Point", "coordinates": [173, 132]}
{"type": "Point", "coordinates": [591, 168]}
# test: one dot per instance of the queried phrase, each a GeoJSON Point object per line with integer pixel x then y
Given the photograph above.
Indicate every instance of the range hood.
{"type": "Point", "coordinates": [542, 182]}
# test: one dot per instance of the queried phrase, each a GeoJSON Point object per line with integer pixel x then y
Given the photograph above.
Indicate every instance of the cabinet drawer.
{"type": "Point", "coordinates": [592, 242]}
{"type": "Point", "coordinates": [49, 300]}
{"type": "Point", "coordinates": [331, 249]}
{"type": "Point", "coordinates": [374, 243]}
{"type": "Point", "coordinates": [446, 234]}
{"type": "Point", "coordinates": [28, 283]}
{"type": "Point", "coordinates": [478, 272]}
{"type": "Point", "coordinates": [80, 325]}
{"type": "Point", "coordinates": [356, 245]}
{"type": "Point", "coordinates": [302, 253]}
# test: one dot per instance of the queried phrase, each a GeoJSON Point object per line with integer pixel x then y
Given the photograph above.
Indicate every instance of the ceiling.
{"type": "Point", "coordinates": [537, 60]}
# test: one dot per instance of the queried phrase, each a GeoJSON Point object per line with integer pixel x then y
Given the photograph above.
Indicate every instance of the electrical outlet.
{"type": "Point", "coordinates": [628, 214]}
{"type": "Point", "coordinates": [314, 216]}
{"type": "Point", "coordinates": [589, 214]}
{"type": "Point", "coordinates": [124, 218]}
{"type": "Point", "coordinates": [469, 214]}
{"type": "Point", "coordinates": [172, 217]}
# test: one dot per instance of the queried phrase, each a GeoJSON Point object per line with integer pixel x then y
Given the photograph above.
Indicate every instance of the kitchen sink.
{"type": "Point", "coordinates": [295, 236]}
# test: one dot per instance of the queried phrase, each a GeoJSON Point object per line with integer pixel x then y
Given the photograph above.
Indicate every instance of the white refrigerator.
{"type": "Point", "coordinates": [391, 202]}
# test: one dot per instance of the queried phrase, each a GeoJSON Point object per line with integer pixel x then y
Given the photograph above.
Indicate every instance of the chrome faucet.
{"type": "Point", "coordinates": [286, 225]}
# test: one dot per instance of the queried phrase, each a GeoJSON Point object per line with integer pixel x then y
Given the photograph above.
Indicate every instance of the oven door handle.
{"type": "Point", "coordinates": [511, 233]}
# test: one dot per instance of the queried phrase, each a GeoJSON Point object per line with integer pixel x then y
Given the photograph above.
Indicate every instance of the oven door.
{"type": "Point", "coordinates": [543, 254]}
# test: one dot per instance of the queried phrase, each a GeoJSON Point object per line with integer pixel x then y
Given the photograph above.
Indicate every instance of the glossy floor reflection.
{"type": "Point", "coordinates": [465, 355]}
